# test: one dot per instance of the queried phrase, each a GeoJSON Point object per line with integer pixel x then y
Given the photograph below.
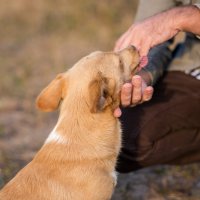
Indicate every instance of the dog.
{"type": "Point", "coordinates": [77, 160]}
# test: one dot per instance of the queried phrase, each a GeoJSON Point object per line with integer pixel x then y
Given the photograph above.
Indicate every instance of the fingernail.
{"type": "Point", "coordinates": [136, 80]}
{"type": "Point", "coordinates": [117, 112]}
{"type": "Point", "coordinates": [127, 86]}
{"type": "Point", "coordinates": [136, 77]}
{"type": "Point", "coordinates": [149, 89]}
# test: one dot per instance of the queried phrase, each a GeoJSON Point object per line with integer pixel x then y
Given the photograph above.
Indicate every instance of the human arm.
{"type": "Point", "coordinates": [160, 27]}
{"type": "Point", "coordinates": [185, 18]}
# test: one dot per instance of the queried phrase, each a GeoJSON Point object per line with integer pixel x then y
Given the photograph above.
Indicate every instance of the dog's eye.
{"type": "Point", "coordinates": [105, 93]}
{"type": "Point", "coordinates": [121, 65]}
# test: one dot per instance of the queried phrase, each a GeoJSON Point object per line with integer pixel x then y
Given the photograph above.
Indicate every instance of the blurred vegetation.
{"type": "Point", "coordinates": [43, 37]}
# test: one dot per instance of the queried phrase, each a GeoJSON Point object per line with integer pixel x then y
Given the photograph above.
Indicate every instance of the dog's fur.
{"type": "Point", "coordinates": [77, 161]}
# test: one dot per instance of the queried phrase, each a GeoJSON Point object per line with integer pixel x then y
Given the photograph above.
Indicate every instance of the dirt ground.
{"type": "Point", "coordinates": [39, 39]}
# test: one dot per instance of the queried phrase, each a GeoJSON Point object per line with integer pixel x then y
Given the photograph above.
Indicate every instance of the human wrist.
{"type": "Point", "coordinates": [174, 19]}
{"type": "Point", "coordinates": [184, 18]}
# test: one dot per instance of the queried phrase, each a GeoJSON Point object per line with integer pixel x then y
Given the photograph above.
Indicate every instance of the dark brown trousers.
{"type": "Point", "coordinates": [165, 130]}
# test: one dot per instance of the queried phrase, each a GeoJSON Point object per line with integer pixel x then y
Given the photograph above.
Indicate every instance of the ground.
{"type": "Point", "coordinates": [39, 39]}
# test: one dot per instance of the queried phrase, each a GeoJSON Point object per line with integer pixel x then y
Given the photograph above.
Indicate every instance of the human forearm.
{"type": "Point", "coordinates": [159, 28]}
{"type": "Point", "coordinates": [187, 19]}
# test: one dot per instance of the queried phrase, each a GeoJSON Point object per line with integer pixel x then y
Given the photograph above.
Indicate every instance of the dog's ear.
{"type": "Point", "coordinates": [101, 91]}
{"type": "Point", "coordinates": [51, 96]}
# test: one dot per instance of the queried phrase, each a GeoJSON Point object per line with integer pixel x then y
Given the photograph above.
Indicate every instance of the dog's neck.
{"type": "Point", "coordinates": [78, 131]}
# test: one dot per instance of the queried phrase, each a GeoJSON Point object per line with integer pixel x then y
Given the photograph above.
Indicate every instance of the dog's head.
{"type": "Point", "coordinates": [95, 80]}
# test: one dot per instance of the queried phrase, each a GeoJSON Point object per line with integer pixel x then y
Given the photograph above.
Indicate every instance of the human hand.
{"type": "Point", "coordinates": [149, 33]}
{"type": "Point", "coordinates": [134, 93]}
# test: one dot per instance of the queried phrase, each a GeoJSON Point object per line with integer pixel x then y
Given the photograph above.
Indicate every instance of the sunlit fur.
{"type": "Point", "coordinates": [77, 161]}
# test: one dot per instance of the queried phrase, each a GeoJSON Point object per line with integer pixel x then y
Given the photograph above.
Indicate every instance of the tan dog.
{"type": "Point", "coordinates": [77, 161]}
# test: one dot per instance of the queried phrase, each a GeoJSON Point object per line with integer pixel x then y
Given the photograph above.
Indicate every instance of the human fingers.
{"type": "Point", "coordinates": [137, 90]}
{"type": "Point", "coordinates": [119, 41]}
{"type": "Point", "coordinates": [144, 50]}
{"type": "Point", "coordinates": [147, 94]}
{"type": "Point", "coordinates": [130, 38]}
{"type": "Point", "coordinates": [120, 44]}
{"type": "Point", "coordinates": [126, 94]}
{"type": "Point", "coordinates": [117, 112]}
